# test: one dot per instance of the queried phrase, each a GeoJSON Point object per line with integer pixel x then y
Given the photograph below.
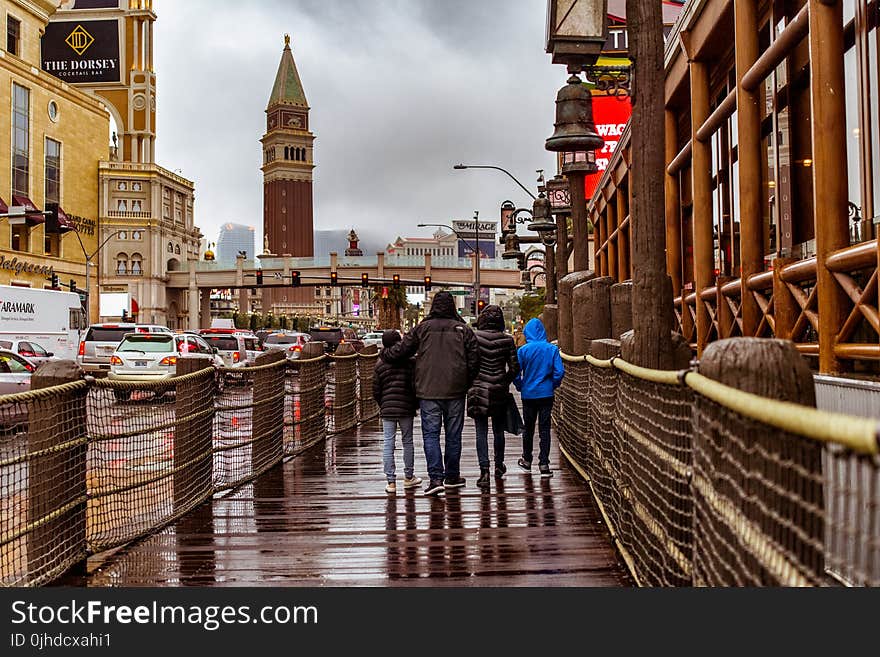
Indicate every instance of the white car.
{"type": "Point", "coordinates": [15, 373]}
{"type": "Point", "coordinates": [372, 338]}
{"type": "Point", "coordinates": [34, 352]}
{"type": "Point", "coordinates": [236, 348]}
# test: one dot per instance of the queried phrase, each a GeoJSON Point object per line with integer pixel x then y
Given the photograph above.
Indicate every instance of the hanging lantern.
{"type": "Point", "coordinates": [541, 220]}
{"type": "Point", "coordinates": [576, 31]}
{"type": "Point", "coordinates": [575, 135]}
{"type": "Point", "coordinates": [511, 247]}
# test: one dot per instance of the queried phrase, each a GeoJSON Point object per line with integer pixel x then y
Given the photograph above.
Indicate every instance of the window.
{"type": "Point", "coordinates": [122, 264]}
{"type": "Point", "coordinates": [177, 249]}
{"type": "Point", "coordinates": [170, 247]}
{"type": "Point", "coordinates": [136, 264]}
{"type": "Point", "coordinates": [135, 187]}
{"type": "Point", "coordinates": [135, 234]}
{"type": "Point", "coordinates": [122, 186]}
{"type": "Point", "coordinates": [122, 205]}
{"type": "Point", "coordinates": [21, 109]}
{"type": "Point", "coordinates": [123, 235]}
{"type": "Point", "coordinates": [53, 171]}
{"type": "Point", "coordinates": [135, 206]}
{"type": "Point", "coordinates": [52, 109]}
{"type": "Point", "coordinates": [20, 238]}
{"type": "Point", "coordinates": [13, 35]}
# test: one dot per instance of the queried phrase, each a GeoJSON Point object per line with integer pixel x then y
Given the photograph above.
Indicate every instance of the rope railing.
{"type": "Point", "coordinates": [704, 484]}
{"type": "Point", "coordinates": [91, 465]}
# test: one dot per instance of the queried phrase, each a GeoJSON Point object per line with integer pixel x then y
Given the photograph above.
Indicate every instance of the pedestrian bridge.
{"type": "Point", "coordinates": [272, 475]}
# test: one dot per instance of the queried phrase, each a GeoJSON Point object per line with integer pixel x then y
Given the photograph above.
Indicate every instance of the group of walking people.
{"type": "Point", "coordinates": [441, 369]}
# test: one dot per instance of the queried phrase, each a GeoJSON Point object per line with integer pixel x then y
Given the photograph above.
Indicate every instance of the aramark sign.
{"type": "Point", "coordinates": [82, 52]}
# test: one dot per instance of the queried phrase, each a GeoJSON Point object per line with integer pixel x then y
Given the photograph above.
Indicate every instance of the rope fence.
{"type": "Point", "coordinates": [92, 465]}
{"type": "Point", "coordinates": [703, 484]}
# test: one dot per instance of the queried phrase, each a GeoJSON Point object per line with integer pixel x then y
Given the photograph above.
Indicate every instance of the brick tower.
{"type": "Point", "coordinates": [287, 174]}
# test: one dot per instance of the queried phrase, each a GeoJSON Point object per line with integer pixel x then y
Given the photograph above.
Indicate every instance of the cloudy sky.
{"type": "Point", "coordinates": [399, 90]}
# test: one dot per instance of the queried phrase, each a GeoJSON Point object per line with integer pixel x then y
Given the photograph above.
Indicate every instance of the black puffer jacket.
{"type": "Point", "coordinates": [498, 365]}
{"type": "Point", "coordinates": [393, 387]}
{"type": "Point", "coordinates": [448, 357]}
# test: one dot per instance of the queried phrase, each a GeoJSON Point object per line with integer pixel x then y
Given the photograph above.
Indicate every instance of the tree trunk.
{"type": "Point", "coordinates": [652, 288]}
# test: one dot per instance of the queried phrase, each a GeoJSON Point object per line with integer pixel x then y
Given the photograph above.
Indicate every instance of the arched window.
{"type": "Point", "coordinates": [177, 249]}
{"type": "Point", "coordinates": [122, 264]}
{"type": "Point", "coordinates": [172, 265]}
{"type": "Point", "coordinates": [297, 152]}
{"type": "Point", "coordinates": [286, 153]}
{"type": "Point", "coordinates": [122, 205]}
{"type": "Point", "coordinates": [170, 247]}
{"type": "Point", "coordinates": [137, 262]}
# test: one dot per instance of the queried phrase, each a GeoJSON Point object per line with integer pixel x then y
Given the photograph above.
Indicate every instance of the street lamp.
{"type": "Point", "coordinates": [488, 166]}
{"type": "Point", "coordinates": [478, 290]}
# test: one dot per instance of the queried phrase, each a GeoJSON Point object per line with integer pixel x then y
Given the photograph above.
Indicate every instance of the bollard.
{"type": "Point", "coordinates": [621, 309]}
{"type": "Point", "coordinates": [550, 319]}
{"type": "Point", "coordinates": [193, 483]}
{"type": "Point", "coordinates": [566, 309]}
{"type": "Point", "coordinates": [604, 349]}
{"type": "Point", "coordinates": [267, 414]}
{"type": "Point", "coordinates": [56, 479]}
{"type": "Point", "coordinates": [592, 321]}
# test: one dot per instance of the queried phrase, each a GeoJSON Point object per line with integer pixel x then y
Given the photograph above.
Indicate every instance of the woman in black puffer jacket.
{"type": "Point", "coordinates": [488, 396]}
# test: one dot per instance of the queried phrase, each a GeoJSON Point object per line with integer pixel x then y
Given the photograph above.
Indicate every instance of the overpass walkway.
{"type": "Point", "coordinates": [323, 519]}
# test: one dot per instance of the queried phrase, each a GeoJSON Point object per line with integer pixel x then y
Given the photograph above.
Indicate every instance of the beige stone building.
{"type": "Point", "coordinates": [52, 138]}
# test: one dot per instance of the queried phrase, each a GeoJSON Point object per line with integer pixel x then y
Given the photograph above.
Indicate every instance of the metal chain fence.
{"type": "Point", "coordinates": [95, 464]}
{"type": "Point", "coordinates": [701, 484]}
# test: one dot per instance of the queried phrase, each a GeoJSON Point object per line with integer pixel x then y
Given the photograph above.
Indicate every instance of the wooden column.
{"type": "Point", "coordinates": [611, 221]}
{"type": "Point", "coordinates": [701, 163]}
{"type": "Point", "coordinates": [673, 207]}
{"type": "Point", "coordinates": [579, 220]}
{"type": "Point", "coordinates": [785, 308]}
{"type": "Point", "coordinates": [748, 112]}
{"type": "Point", "coordinates": [561, 248]}
{"type": "Point", "coordinates": [828, 104]}
{"type": "Point", "coordinates": [622, 237]}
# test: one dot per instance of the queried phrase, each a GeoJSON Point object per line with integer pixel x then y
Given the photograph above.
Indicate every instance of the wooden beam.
{"type": "Point", "coordinates": [701, 165]}
{"type": "Point", "coordinates": [748, 113]}
{"type": "Point", "coordinates": [830, 194]}
{"type": "Point", "coordinates": [680, 161]}
{"type": "Point", "coordinates": [611, 222]}
{"type": "Point", "coordinates": [719, 116]}
{"type": "Point", "coordinates": [673, 207]}
{"type": "Point", "coordinates": [622, 272]}
{"type": "Point", "coordinates": [785, 42]}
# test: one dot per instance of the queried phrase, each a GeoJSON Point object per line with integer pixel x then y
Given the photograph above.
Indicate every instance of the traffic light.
{"type": "Point", "coordinates": [259, 277]}
{"type": "Point", "coordinates": [53, 281]}
{"type": "Point", "coordinates": [427, 283]}
{"type": "Point", "coordinates": [365, 280]}
{"type": "Point", "coordinates": [334, 279]}
{"type": "Point", "coordinates": [57, 222]}
{"type": "Point", "coordinates": [73, 285]}
{"type": "Point", "coordinates": [473, 308]}
{"type": "Point", "coordinates": [294, 279]}
{"type": "Point", "coordinates": [480, 305]}
{"type": "Point", "coordinates": [396, 281]}
{"type": "Point", "coordinates": [124, 314]}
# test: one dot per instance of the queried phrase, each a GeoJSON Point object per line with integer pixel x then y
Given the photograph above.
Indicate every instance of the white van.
{"type": "Point", "coordinates": [52, 319]}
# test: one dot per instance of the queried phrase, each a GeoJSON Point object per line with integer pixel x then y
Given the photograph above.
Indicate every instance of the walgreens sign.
{"type": "Point", "coordinates": [611, 115]}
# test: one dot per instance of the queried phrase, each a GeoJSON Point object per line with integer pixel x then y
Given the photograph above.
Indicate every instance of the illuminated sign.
{"type": "Point", "coordinates": [82, 52]}
{"type": "Point", "coordinates": [611, 115]}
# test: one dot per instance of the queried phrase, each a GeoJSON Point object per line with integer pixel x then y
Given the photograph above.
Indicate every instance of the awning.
{"type": "Point", "coordinates": [32, 214]}
{"type": "Point", "coordinates": [135, 308]}
{"type": "Point", "coordinates": [58, 221]}
{"type": "Point", "coordinates": [3, 207]}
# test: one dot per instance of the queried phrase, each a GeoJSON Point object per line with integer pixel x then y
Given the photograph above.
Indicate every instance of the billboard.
{"type": "Point", "coordinates": [611, 115]}
{"type": "Point", "coordinates": [82, 52]}
{"type": "Point", "coordinates": [466, 247]}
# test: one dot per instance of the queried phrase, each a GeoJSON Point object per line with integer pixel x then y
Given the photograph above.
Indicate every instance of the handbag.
{"type": "Point", "coordinates": [512, 419]}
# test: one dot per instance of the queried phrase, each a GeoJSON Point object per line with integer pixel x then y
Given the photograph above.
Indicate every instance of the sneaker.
{"type": "Point", "coordinates": [412, 482]}
{"type": "Point", "coordinates": [483, 481]}
{"type": "Point", "coordinates": [453, 482]}
{"type": "Point", "coordinates": [545, 471]}
{"type": "Point", "coordinates": [435, 487]}
{"type": "Point", "coordinates": [391, 487]}
{"type": "Point", "coordinates": [500, 470]}
{"type": "Point", "coordinates": [525, 465]}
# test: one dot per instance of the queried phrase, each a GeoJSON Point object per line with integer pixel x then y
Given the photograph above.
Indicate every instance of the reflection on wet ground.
{"type": "Point", "coordinates": [323, 519]}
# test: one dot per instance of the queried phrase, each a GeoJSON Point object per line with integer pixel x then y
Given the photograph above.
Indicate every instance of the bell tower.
{"type": "Point", "coordinates": [287, 164]}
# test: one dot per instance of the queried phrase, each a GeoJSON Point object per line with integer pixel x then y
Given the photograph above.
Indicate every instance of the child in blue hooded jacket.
{"type": "Point", "coordinates": [541, 372]}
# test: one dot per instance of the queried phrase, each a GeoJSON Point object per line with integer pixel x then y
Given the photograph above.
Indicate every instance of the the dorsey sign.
{"type": "Point", "coordinates": [82, 51]}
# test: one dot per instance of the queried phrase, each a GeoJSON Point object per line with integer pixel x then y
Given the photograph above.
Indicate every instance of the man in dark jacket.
{"type": "Point", "coordinates": [393, 390]}
{"type": "Point", "coordinates": [447, 363]}
{"type": "Point", "coordinates": [489, 395]}
{"type": "Point", "coordinates": [541, 372]}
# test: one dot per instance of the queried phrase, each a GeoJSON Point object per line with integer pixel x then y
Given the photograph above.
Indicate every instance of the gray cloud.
{"type": "Point", "coordinates": [399, 90]}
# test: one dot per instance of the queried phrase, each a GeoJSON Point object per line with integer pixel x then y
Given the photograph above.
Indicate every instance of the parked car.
{"type": "Point", "coordinates": [15, 372]}
{"type": "Point", "coordinates": [101, 340]}
{"type": "Point", "coordinates": [290, 341]}
{"type": "Point", "coordinates": [236, 348]}
{"type": "Point", "coordinates": [372, 338]}
{"type": "Point", "coordinates": [149, 357]}
{"type": "Point", "coordinates": [333, 336]}
{"type": "Point", "coordinates": [29, 349]}
{"type": "Point", "coordinates": [262, 334]}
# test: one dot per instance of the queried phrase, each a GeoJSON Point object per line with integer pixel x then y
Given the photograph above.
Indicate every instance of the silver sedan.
{"type": "Point", "coordinates": [32, 351]}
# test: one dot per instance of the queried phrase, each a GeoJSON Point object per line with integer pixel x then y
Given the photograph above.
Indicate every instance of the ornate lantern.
{"type": "Point", "coordinates": [541, 220]}
{"type": "Point", "coordinates": [576, 30]}
{"type": "Point", "coordinates": [575, 135]}
{"type": "Point", "coordinates": [511, 246]}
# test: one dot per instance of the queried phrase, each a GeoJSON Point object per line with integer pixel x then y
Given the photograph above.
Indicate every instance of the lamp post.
{"type": "Point", "coordinates": [89, 265]}
{"type": "Point", "coordinates": [477, 289]}
{"type": "Point", "coordinates": [490, 166]}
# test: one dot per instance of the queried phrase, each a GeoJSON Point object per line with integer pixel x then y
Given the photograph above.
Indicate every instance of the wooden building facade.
{"type": "Point", "coordinates": [772, 179]}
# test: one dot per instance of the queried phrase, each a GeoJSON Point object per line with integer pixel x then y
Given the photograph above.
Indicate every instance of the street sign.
{"type": "Point", "coordinates": [459, 293]}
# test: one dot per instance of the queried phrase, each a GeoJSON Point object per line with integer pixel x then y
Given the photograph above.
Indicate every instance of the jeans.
{"type": "Point", "coordinates": [449, 413]}
{"type": "Point", "coordinates": [537, 409]}
{"type": "Point", "coordinates": [389, 428]}
{"type": "Point", "coordinates": [481, 423]}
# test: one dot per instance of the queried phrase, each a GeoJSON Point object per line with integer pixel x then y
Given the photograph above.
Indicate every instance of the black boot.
{"type": "Point", "coordinates": [483, 481]}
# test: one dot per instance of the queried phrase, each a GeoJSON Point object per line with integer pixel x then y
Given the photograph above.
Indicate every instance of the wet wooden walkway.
{"type": "Point", "coordinates": [324, 519]}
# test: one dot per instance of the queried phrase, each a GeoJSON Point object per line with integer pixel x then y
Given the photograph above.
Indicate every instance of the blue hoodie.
{"type": "Point", "coordinates": [541, 365]}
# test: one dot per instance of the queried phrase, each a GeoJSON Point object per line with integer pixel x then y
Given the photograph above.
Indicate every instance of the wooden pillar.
{"type": "Point", "coordinates": [785, 308]}
{"type": "Point", "coordinates": [673, 207]}
{"type": "Point", "coordinates": [748, 112]}
{"type": "Point", "coordinates": [701, 163]}
{"type": "Point", "coordinates": [723, 312]}
{"type": "Point", "coordinates": [828, 104]}
{"type": "Point", "coordinates": [611, 221]}
{"type": "Point", "coordinates": [579, 220]}
{"type": "Point", "coordinates": [561, 248]}
{"type": "Point", "coordinates": [622, 237]}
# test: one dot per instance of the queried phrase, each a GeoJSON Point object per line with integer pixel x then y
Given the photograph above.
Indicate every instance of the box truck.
{"type": "Point", "coordinates": [53, 319]}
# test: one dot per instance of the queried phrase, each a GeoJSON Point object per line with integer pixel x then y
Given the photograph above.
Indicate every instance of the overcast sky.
{"type": "Point", "coordinates": [399, 90]}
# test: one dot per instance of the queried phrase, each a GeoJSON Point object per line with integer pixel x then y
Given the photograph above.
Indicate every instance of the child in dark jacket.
{"type": "Point", "coordinates": [541, 372]}
{"type": "Point", "coordinates": [393, 390]}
